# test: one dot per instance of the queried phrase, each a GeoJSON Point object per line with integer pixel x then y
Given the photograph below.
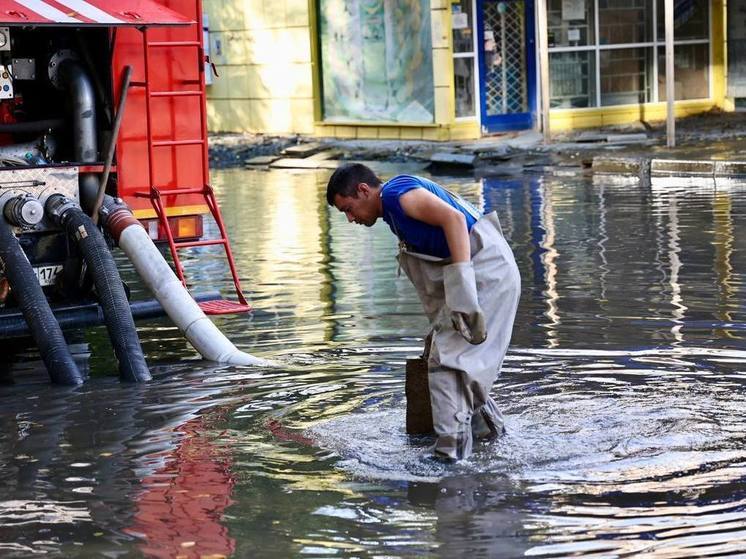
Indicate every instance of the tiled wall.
{"type": "Point", "coordinates": [262, 50]}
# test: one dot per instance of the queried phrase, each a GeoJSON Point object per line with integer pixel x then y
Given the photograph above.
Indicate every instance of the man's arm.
{"type": "Point", "coordinates": [423, 205]}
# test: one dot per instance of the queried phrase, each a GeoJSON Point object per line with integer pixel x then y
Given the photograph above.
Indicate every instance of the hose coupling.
{"type": "Point", "coordinates": [23, 211]}
{"type": "Point", "coordinates": [116, 216]}
{"type": "Point", "coordinates": [57, 206]}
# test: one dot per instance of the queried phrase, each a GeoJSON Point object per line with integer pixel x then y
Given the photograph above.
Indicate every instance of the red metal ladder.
{"type": "Point", "coordinates": [156, 194]}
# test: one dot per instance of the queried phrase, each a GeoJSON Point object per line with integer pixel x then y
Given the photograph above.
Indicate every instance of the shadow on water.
{"type": "Point", "coordinates": [623, 394]}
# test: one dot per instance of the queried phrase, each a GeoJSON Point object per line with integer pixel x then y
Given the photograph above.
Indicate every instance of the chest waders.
{"type": "Point", "coordinates": [461, 375]}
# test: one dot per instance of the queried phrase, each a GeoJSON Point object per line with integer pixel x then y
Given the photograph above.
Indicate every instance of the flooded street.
{"type": "Point", "coordinates": [624, 393]}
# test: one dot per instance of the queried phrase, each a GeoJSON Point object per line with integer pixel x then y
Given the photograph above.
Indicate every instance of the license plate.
{"type": "Point", "coordinates": [47, 274]}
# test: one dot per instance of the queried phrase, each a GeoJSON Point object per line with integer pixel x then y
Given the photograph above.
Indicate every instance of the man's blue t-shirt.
{"type": "Point", "coordinates": [419, 236]}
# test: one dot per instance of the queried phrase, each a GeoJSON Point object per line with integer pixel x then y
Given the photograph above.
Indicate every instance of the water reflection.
{"type": "Point", "coordinates": [624, 394]}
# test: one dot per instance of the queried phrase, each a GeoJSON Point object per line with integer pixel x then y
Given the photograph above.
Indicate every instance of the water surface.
{"type": "Point", "coordinates": [623, 393]}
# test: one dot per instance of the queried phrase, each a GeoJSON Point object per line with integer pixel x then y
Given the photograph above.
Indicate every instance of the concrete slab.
{"type": "Point", "coordinates": [626, 138]}
{"type": "Point", "coordinates": [610, 165]}
{"type": "Point", "coordinates": [303, 150]}
{"type": "Point", "coordinates": [734, 169]}
{"type": "Point", "coordinates": [261, 160]}
{"type": "Point", "coordinates": [453, 158]}
{"type": "Point", "coordinates": [295, 163]}
{"type": "Point", "coordinates": [326, 154]}
{"type": "Point", "coordinates": [680, 167]}
{"type": "Point", "coordinates": [587, 137]}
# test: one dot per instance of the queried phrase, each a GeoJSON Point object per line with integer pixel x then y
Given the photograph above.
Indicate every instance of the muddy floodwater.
{"type": "Point", "coordinates": [624, 393]}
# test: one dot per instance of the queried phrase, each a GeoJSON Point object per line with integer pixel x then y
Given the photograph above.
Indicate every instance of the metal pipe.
{"type": "Point", "coordinates": [31, 126]}
{"type": "Point", "coordinates": [112, 143]}
{"type": "Point", "coordinates": [74, 77]}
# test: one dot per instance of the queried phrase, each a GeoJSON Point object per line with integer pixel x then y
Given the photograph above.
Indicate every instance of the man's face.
{"type": "Point", "coordinates": [361, 209]}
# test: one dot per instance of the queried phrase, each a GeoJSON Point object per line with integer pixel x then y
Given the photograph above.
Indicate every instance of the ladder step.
{"type": "Point", "coordinates": [205, 243]}
{"type": "Point", "coordinates": [195, 93]}
{"type": "Point", "coordinates": [222, 306]}
{"type": "Point", "coordinates": [167, 143]}
{"type": "Point", "coordinates": [174, 44]}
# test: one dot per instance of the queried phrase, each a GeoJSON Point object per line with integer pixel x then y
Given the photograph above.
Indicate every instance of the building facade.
{"type": "Point", "coordinates": [458, 69]}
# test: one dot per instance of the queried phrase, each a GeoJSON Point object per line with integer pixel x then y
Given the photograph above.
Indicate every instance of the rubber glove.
{"type": "Point", "coordinates": [461, 299]}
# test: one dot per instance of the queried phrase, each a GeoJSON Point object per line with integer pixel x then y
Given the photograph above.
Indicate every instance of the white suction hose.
{"type": "Point", "coordinates": [179, 305]}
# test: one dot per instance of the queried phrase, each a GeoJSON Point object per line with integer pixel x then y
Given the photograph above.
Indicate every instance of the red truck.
{"type": "Point", "coordinates": [99, 100]}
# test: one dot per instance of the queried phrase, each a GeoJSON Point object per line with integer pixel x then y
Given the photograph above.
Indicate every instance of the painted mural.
{"type": "Point", "coordinates": [376, 58]}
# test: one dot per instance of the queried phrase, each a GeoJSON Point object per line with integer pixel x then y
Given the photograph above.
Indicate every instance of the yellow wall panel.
{"type": "Point", "coordinates": [367, 132]}
{"type": "Point", "coordinates": [253, 11]}
{"type": "Point", "coordinates": [301, 111]}
{"type": "Point", "coordinates": [274, 13]}
{"type": "Point", "coordinates": [338, 131]}
{"type": "Point", "coordinates": [465, 130]}
{"type": "Point", "coordinates": [389, 132]}
{"type": "Point", "coordinates": [272, 116]}
{"type": "Point", "coordinates": [440, 26]}
{"type": "Point", "coordinates": [296, 13]}
{"type": "Point", "coordinates": [444, 105]}
{"type": "Point", "coordinates": [442, 60]}
{"type": "Point", "coordinates": [438, 134]}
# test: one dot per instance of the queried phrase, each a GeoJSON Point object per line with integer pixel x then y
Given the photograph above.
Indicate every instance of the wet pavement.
{"type": "Point", "coordinates": [623, 391]}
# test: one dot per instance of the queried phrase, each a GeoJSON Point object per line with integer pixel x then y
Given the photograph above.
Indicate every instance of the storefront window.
{"type": "Point", "coordinates": [464, 60]}
{"type": "Point", "coordinates": [376, 59]}
{"type": "Point", "coordinates": [463, 70]}
{"type": "Point", "coordinates": [690, 20]}
{"type": "Point", "coordinates": [627, 60]}
{"type": "Point", "coordinates": [462, 22]}
{"type": "Point", "coordinates": [570, 23]}
{"type": "Point", "coordinates": [572, 80]}
{"type": "Point", "coordinates": [625, 21]}
{"type": "Point", "coordinates": [626, 76]}
{"type": "Point", "coordinates": [690, 71]}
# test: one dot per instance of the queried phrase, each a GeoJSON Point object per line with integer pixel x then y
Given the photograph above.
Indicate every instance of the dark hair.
{"type": "Point", "coordinates": [345, 179]}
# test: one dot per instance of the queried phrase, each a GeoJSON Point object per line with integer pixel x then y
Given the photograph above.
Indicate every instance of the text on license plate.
{"type": "Point", "coordinates": [47, 274]}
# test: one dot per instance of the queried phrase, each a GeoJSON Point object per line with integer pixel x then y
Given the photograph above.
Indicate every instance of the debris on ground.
{"type": "Point", "coordinates": [625, 150]}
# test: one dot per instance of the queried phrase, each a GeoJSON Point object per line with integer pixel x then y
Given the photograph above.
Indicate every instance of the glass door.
{"type": "Point", "coordinates": [505, 44]}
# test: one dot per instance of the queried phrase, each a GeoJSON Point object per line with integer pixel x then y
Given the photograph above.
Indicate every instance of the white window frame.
{"type": "Point", "coordinates": [475, 61]}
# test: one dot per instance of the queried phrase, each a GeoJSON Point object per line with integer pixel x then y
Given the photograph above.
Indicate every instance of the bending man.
{"type": "Point", "coordinates": [467, 279]}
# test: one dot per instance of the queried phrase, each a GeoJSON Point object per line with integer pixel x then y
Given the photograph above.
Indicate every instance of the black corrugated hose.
{"type": "Point", "coordinates": [33, 304]}
{"type": "Point", "coordinates": [113, 300]}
